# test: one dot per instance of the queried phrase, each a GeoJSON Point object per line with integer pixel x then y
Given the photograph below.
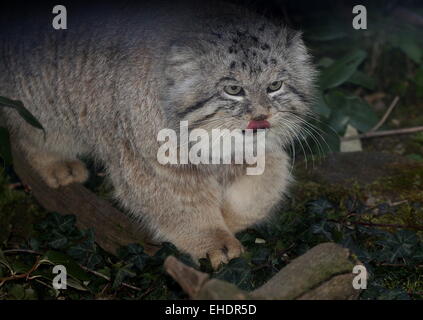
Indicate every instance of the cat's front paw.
{"type": "Point", "coordinates": [218, 246]}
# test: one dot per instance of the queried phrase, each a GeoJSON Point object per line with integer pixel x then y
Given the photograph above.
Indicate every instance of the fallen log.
{"type": "Point", "coordinates": [322, 273]}
{"type": "Point", "coordinates": [112, 228]}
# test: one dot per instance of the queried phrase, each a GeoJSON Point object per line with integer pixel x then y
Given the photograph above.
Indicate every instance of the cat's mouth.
{"type": "Point", "coordinates": [257, 124]}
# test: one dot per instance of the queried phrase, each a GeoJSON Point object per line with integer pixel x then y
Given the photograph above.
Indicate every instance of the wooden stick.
{"type": "Point", "coordinates": [386, 115]}
{"type": "Point", "coordinates": [384, 133]}
{"type": "Point", "coordinates": [99, 274]}
{"type": "Point", "coordinates": [384, 225]}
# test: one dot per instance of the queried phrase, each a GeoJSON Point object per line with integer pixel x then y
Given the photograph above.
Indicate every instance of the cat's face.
{"type": "Point", "coordinates": [234, 75]}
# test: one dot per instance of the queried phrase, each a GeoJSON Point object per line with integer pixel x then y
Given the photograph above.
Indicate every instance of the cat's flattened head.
{"type": "Point", "coordinates": [236, 72]}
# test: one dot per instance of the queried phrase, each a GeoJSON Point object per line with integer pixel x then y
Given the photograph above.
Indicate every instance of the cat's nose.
{"type": "Point", "coordinates": [260, 117]}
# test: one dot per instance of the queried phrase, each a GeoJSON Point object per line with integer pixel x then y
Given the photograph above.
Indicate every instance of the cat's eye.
{"type": "Point", "coordinates": [274, 86]}
{"type": "Point", "coordinates": [233, 90]}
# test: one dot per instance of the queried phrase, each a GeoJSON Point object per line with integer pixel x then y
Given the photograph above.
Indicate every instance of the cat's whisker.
{"type": "Point", "coordinates": [291, 143]}
{"type": "Point", "coordinates": [312, 128]}
{"type": "Point", "coordinates": [312, 135]}
{"type": "Point", "coordinates": [293, 132]}
{"type": "Point", "coordinates": [313, 116]}
{"type": "Point", "coordinates": [316, 131]}
{"type": "Point", "coordinates": [316, 118]}
{"type": "Point", "coordinates": [304, 138]}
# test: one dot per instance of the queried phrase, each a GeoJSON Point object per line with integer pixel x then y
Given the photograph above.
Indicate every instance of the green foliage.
{"type": "Point", "coordinates": [133, 274]}
{"type": "Point", "coordinates": [336, 105]}
{"type": "Point", "coordinates": [238, 272]}
{"type": "Point", "coordinates": [341, 70]}
{"type": "Point", "coordinates": [409, 40]}
{"type": "Point", "coordinates": [403, 245]}
{"type": "Point", "coordinates": [347, 59]}
{"type": "Point", "coordinates": [349, 109]}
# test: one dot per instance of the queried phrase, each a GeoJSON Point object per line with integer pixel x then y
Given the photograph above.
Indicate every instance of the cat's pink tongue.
{"type": "Point", "coordinates": [262, 124]}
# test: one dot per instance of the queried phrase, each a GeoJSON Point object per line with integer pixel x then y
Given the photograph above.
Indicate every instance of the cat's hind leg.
{"type": "Point", "coordinates": [58, 168]}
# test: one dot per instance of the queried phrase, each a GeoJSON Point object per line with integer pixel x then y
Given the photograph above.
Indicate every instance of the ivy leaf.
{"type": "Point", "coordinates": [72, 268]}
{"type": "Point", "coordinates": [59, 240]}
{"type": "Point", "coordinates": [401, 244]}
{"type": "Point", "coordinates": [319, 206]}
{"type": "Point", "coordinates": [123, 273]}
{"type": "Point", "coordinates": [59, 230]}
{"type": "Point", "coordinates": [394, 294]}
{"type": "Point", "coordinates": [247, 238]}
{"type": "Point", "coordinates": [86, 253]}
{"type": "Point", "coordinates": [260, 255]}
{"type": "Point", "coordinates": [323, 228]}
{"type": "Point", "coordinates": [66, 223]}
{"type": "Point", "coordinates": [354, 205]}
{"type": "Point", "coordinates": [364, 255]}
{"type": "Point", "coordinates": [237, 272]}
{"type": "Point", "coordinates": [130, 250]}
{"type": "Point", "coordinates": [81, 251]}
{"type": "Point", "coordinates": [379, 292]}
{"type": "Point", "coordinates": [341, 70]}
{"type": "Point", "coordinates": [134, 253]}
{"type": "Point", "coordinates": [63, 223]}
{"type": "Point", "coordinates": [93, 260]}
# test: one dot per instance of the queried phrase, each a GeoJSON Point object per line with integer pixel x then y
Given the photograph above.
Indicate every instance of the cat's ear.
{"type": "Point", "coordinates": [293, 38]}
{"type": "Point", "coordinates": [295, 45]}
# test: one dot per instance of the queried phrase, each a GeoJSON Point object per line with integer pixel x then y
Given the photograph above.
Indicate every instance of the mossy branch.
{"type": "Point", "coordinates": [324, 272]}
